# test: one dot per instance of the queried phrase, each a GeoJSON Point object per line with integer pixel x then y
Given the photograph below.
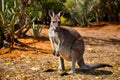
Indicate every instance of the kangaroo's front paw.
{"type": "Point", "coordinates": [53, 52]}
{"type": "Point", "coordinates": [57, 54]}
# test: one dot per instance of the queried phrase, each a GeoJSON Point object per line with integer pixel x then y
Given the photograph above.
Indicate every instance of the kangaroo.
{"type": "Point", "coordinates": [68, 44]}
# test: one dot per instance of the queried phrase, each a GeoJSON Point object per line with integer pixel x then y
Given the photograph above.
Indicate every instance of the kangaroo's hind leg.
{"type": "Point", "coordinates": [73, 70]}
{"type": "Point", "coordinates": [73, 59]}
{"type": "Point", "coordinates": [82, 64]}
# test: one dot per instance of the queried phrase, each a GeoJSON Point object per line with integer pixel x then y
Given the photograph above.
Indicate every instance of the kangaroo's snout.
{"type": "Point", "coordinates": [57, 29]}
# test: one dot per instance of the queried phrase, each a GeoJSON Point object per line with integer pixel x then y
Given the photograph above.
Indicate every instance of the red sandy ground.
{"type": "Point", "coordinates": [41, 45]}
{"type": "Point", "coordinates": [102, 44]}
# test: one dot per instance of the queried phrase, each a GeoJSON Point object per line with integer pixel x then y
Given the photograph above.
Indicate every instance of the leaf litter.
{"type": "Point", "coordinates": [37, 63]}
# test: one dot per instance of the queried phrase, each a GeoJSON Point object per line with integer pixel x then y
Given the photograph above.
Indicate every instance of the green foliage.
{"type": "Point", "coordinates": [79, 10]}
{"type": "Point", "coordinates": [64, 20]}
{"type": "Point", "coordinates": [35, 30]}
{"type": "Point", "coordinates": [46, 5]}
{"type": "Point", "coordinates": [110, 9]}
{"type": "Point", "coordinates": [32, 12]}
{"type": "Point", "coordinates": [84, 11]}
{"type": "Point", "coordinates": [9, 12]}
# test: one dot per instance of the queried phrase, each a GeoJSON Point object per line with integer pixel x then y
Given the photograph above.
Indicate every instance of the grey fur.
{"type": "Point", "coordinates": [66, 43]}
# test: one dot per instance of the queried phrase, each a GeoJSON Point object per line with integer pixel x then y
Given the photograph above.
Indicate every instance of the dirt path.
{"type": "Point", "coordinates": [28, 60]}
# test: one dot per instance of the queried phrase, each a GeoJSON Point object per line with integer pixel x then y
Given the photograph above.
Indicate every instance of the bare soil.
{"type": "Point", "coordinates": [32, 56]}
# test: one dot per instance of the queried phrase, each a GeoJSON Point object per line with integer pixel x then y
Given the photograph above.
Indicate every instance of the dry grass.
{"type": "Point", "coordinates": [29, 59]}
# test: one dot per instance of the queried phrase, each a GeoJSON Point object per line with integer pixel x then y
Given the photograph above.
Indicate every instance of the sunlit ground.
{"type": "Point", "coordinates": [29, 59]}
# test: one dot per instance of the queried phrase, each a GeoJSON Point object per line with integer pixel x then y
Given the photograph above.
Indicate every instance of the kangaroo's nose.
{"type": "Point", "coordinates": [57, 28]}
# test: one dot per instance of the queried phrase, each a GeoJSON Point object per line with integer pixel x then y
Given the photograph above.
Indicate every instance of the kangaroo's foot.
{"type": "Point", "coordinates": [71, 72]}
{"type": "Point", "coordinates": [85, 67]}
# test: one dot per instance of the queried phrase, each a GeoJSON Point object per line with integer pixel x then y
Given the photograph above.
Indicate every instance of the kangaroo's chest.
{"type": "Point", "coordinates": [52, 34]}
{"type": "Point", "coordinates": [64, 46]}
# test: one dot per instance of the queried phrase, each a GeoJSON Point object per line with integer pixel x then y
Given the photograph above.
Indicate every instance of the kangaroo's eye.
{"type": "Point", "coordinates": [59, 22]}
{"type": "Point", "coordinates": [53, 21]}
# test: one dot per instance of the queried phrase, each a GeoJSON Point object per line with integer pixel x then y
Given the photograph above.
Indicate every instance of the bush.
{"type": "Point", "coordinates": [79, 10]}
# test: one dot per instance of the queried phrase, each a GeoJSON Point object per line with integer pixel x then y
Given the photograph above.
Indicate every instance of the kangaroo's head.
{"type": "Point", "coordinates": [55, 20]}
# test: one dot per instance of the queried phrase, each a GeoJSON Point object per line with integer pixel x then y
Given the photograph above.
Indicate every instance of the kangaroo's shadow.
{"type": "Point", "coordinates": [94, 72]}
{"type": "Point", "coordinates": [86, 72]}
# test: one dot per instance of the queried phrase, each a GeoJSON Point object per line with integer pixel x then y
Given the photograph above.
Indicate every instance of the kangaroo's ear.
{"type": "Point", "coordinates": [61, 13]}
{"type": "Point", "coordinates": [51, 13]}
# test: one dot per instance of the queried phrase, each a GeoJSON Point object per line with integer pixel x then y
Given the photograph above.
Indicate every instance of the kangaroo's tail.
{"type": "Point", "coordinates": [98, 65]}
{"type": "Point", "coordinates": [94, 66]}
